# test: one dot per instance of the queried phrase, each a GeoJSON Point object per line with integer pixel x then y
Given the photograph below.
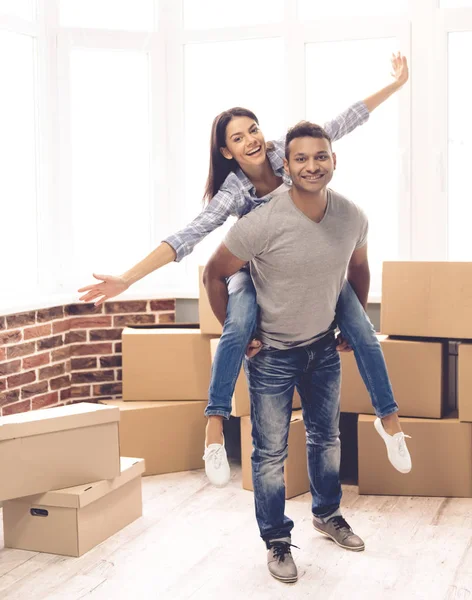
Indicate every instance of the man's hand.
{"type": "Point", "coordinates": [342, 345]}
{"type": "Point", "coordinates": [399, 68]}
{"type": "Point", "coordinates": [253, 348]}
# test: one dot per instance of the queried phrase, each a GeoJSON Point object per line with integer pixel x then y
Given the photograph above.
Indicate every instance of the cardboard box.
{"type": "Point", "coordinates": [165, 364]}
{"type": "Point", "coordinates": [241, 401]}
{"type": "Point", "coordinates": [441, 454]}
{"type": "Point", "coordinates": [464, 382]}
{"type": "Point", "coordinates": [73, 520]}
{"type": "Point", "coordinates": [419, 375]}
{"type": "Point", "coordinates": [427, 299]}
{"type": "Point", "coordinates": [295, 467]}
{"type": "Point", "coordinates": [170, 436]}
{"type": "Point", "coordinates": [209, 324]}
{"type": "Point", "coordinates": [58, 447]}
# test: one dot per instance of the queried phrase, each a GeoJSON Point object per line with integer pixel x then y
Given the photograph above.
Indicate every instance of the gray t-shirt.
{"type": "Point", "coordinates": [298, 266]}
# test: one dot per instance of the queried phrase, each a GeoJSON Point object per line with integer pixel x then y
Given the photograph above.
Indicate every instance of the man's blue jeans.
{"type": "Point", "coordinates": [315, 371]}
{"type": "Point", "coordinates": [240, 326]}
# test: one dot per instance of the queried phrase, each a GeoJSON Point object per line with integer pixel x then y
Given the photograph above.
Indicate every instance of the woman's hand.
{"type": "Point", "coordinates": [399, 68]}
{"type": "Point", "coordinates": [108, 287]}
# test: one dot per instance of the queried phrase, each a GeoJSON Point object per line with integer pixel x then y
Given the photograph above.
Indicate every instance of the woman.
{"type": "Point", "coordinates": [244, 173]}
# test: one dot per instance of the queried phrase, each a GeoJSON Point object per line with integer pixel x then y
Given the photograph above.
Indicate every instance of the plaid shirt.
{"type": "Point", "coordinates": [237, 195]}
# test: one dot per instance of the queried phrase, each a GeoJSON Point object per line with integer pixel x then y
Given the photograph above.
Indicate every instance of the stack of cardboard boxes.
{"type": "Point", "coordinates": [426, 314]}
{"type": "Point", "coordinates": [63, 485]}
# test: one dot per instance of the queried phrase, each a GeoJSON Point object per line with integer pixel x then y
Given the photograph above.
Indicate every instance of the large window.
{"type": "Point", "coordinates": [369, 156]}
{"type": "Point", "coordinates": [111, 160]}
{"type": "Point", "coordinates": [18, 160]}
{"type": "Point", "coordinates": [107, 105]}
{"type": "Point", "coordinates": [218, 76]}
{"type": "Point", "coordinates": [459, 148]}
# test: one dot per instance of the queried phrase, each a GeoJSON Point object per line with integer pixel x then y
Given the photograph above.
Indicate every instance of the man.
{"type": "Point", "coordinates": [300, 246]}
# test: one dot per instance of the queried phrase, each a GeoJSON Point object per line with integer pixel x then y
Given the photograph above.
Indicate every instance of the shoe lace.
{"type": "Point", "coordinates": [215, 455]}
{"type": "Point", "coordinates": [281, 550]}
{"type": "Point", "coordinates": [401, 444]}
{"type": "Point", "coordinates": [340, 523]}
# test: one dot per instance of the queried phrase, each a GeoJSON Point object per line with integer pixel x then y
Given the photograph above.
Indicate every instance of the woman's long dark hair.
{"type": "Point", "coordinates": [221, 167]}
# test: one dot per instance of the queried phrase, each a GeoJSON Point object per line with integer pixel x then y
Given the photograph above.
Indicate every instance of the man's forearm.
{"type": "Point", "coordinates": [359, 278]}
{"type": "Point", "coordinates": [217, 291]}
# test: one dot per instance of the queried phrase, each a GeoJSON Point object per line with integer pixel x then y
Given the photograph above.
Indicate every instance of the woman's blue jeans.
{"type": "Point", "coordinates": [240, 326]}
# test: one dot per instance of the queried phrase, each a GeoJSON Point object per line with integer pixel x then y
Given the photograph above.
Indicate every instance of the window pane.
{"type": "Point", "coordinates": [459, 147]}
{"type": "Point", "coordinates": [367, 169]}
{"type": "Point", "coordinates": [316, 9]}
{"type": "Point", "coordinates": [17, 8]}
{"type": "Point", "coordinates": [205, 14]}
{"type": "Point", "coordinates": [18, 239]}
{"type": "Point", "coordinates": [110, 138]}
{"type": "Point", "coordinates": [132, 15]}
{"type": "Point", "coordinates": [208, 91]}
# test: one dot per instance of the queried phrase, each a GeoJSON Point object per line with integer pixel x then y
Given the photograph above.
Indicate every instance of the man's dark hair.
{"type": "Point", "coordinates": [304, 129]}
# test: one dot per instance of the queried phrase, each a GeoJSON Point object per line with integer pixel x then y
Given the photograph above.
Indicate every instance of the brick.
{"type": "Point", "coordinates": [84, 363]}
{"type": "Point", "coordinates": [21, 319]}
{"type": "Point", "coordinates": [2, 323]}
{"type": "Point", "coordinates": [53, 371]}
{"type": "Point", "coordinates": [110, 389]}
{"type": "Point", "coordinates": [37, 331]}
{"type": "Point", "coordinates": [3, 354]}
{"type": "Point", "coordinates": [167, 318]}
{"type": "Point", "coordinates": [61, 354]}
{"type": "Point", "coordinates": [60, 382]}
{"type": "Point", "coordinates": [110, 361]}
{"type": "Point", "coordinates": [46, 400]}
{"type": "Point", "coordinates": [75, 337]}
{"type": "Point", "coordinates": [130, 306]}
{"type": "Point", "coordinates": [50, 342]}
{"type": "Point", "coordinates": [38, 360]}
{"type": "Point", "coordinates": [98, 335]}
{"type": "Point", "coordinates": [118, 347]}
{"type": "Point", "coordinates": [65, 394]}
{"type": "Point", "coordinates": [21, 350]}
{"type": "Point", "coordinates": [10, 337]}
{"type": "Point", "coordinates": [11, 367]}
{"type": "Point", "coordinates": [21, 379]}
{"type": "Point", "coordinates": [124, 320]}
{"type": "Point", "coordinates": [162, 304]}
{"type": "Point", "coordinates": [119, 375]}
{"type": "Point", "coordinates": [80, 391]}
{"type": "Point", "coordinates": [61, 326]}
{"type": "Point", "coordinates": [3, 385]}
{"type": "Point", "coordinates": [84, 309]}
{"type": "Point", "coordinates": [18, 407]}
{"type": "Point", "coordinates": [33, 390]}
{"type": "Point", "coordinates": [49, 314]}
{"type": "Point", "coordinates": [90, 349]}
{"type": "Point", "coordinates": [9, 397]}
{"type": "Point", "coordinates": [91, 322]}
{"type": "Point", "coordinates": [92, 376]}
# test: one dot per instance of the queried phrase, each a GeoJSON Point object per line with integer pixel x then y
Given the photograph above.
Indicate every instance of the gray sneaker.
{"type": "Point", "coordinates": [340, 532]}
{"type": "Point", "coordinates": [280, 561]}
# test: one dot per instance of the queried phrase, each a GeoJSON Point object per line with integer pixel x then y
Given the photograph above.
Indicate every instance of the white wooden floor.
{"type": "Point", "coordinates": [198, 542]}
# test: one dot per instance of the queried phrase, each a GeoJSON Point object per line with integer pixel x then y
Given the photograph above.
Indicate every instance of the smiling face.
{"type": "Point", "coordinates": [310, 164]}
{"type": "Point", "coordinates": [244, 142]}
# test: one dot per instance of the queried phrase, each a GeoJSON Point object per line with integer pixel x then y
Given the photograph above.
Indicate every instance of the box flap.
{"type": "Point", "coordinates": [128, 331]}
{"type": "Point", "coordinates": [48, 420]}
{"type": "Point", "coordinates": [148, 404]}
{"type": "Point", "coordinates": [297, 415]}
{"type": "Point", "coordinates": [82, 495]}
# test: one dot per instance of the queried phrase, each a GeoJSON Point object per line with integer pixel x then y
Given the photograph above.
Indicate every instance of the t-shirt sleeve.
{"type": "Point", "coordinates": [248, 237]}
{"type": "Point", "coordinates": [363, 229]}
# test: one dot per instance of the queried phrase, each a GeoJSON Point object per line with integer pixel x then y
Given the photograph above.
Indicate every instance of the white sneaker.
{"type": "Point", "coordinates": [397, 451]}
{"type": "Point", "coordinates": [216, 464]}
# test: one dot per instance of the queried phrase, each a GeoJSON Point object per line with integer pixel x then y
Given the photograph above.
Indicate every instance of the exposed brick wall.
{"type": "Point", "coordinates": [57, 355]}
